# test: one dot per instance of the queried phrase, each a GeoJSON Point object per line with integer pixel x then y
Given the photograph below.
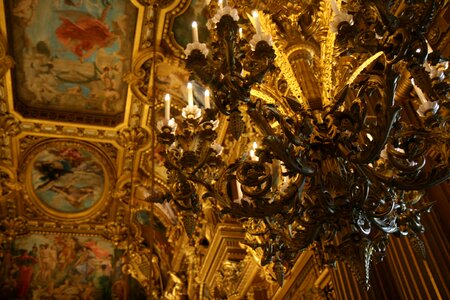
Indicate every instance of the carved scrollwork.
{"type": "Point", "coordinates": [8, 184]}
{"type": "Point", "coordinates": [13, 226]}
{"type": "Point", "coordinates": [9, 126]}
{"type": "Point", "coordinates": [116, 232]}
{"type": "Point", "coordinates": [141, 72]}
{"type": "Point", "coordinates": [139, 263]}
{"type": "Point", "coordinates": [132, 139]}
{"type": "Point", "coordinates": [228, 278]}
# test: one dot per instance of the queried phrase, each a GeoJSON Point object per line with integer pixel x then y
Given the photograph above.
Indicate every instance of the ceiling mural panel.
{"type": "Point", "coordinates": [53, 266]}
{"type": "Point", "coordinates": [71, 66]}
{"type": "Point", "coordinates": [67, 178]}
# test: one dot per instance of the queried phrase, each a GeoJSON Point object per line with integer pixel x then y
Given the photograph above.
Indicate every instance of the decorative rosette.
{"type": "Point", "coordinates": [196, 46]}
{"type": "Point", "coordinates": [227, 10]}
{"type": "Point", "coordinates": [191, 112]}
{"type": "Point", "coordinates": [260, 37]}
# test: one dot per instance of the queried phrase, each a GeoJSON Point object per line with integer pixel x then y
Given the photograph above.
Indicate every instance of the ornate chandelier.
{"type": "Point", "coordinates": [339, 166]}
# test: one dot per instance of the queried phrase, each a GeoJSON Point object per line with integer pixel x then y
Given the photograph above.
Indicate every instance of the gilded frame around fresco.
{"type": "Point", "coordinates": [28, 161]}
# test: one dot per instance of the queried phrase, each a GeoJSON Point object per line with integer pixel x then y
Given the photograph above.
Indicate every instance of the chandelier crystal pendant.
{"type": "Point", "coordinates": [339, 179]}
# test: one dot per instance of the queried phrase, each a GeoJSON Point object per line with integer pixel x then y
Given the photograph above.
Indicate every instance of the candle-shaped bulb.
{"type": "Point", "coordinates": [252, 155]}
{"type": "Point", "coordinates": [194, 32]}
{"type": "Point", "coordinates": [419, 92]}
{"type": "Point", "coordinates": [257, 23]}
{"type": "Point", "coordinates": [207, 102]}
{"type": "Point", "coordinates": [190, 94]}
{"type": "Point", "coordinates": [241, 35]}
{"type": "Point", "coordinates": [220, 3]}
{"type": "Point", "coordinates": [167, 107]}
{"type": "Point", "coordinates": [252, 152]}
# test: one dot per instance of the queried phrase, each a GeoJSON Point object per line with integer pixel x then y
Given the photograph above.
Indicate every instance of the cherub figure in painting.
{"type": "Point", "coordinates": [24, 10]}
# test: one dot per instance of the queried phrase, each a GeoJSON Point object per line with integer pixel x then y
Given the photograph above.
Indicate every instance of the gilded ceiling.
{"type": "Point", "coordinates": [81, 87]}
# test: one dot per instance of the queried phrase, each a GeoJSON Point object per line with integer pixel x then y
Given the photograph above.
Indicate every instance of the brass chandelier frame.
{"type": "Point", "coordinates": [339, 178]}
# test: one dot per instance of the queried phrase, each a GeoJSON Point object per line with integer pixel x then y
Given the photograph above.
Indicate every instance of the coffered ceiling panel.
{"type": "Point", "coordinates": [70, 58]}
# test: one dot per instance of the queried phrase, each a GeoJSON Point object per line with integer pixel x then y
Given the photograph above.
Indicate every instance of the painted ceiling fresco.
{"type": "Point", "coordinates": [63, 267]}
{"type": "Point", "coordinates": [71, 57]}
{"type": "Point", "coordinates": [67, 177]}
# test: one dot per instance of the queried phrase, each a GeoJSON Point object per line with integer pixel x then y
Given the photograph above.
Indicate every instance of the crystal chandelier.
{"type": "Point", "coordinates": [337, 176]}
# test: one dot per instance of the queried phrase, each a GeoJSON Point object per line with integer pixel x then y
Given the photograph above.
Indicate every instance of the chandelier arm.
{"type": "Point", "coordinates": [408, 167]}
{"type": "Point", "coordinates": [283, 151]}
{"type": "Point", "coordinates": [272, 111]}
{"type": "Point", "coordinates": [229, 45]}
{"type": "Point", "coordinates": [387, 115]}
{"type": "Point", "coordinates": [376, 195]}
{"type": "Point", "coordinates": [169, 163]}
{"type": "Point", "coordinates": [278, 146]}
{"type": "Point", "coordinates": [257, 117]}
{"type": "Point", "coordinates": [282, 206]}
{"type": "Point", "coordinates": [435, 177]}
{"type": "Point", "coordinates": [183, 192]}
{"type": "Point", "coordinates": [380, 134]}
{"type": "Point", "coordinates": [243, 176]}
{"type": "Point", "coordinates": [204, 155]}
{"type": "Point", "coordinates": [340, 99]}
{"type": "Point", "coordinates": [385, 214]}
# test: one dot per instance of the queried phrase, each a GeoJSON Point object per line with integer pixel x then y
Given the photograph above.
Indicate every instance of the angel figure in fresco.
{"type": "Point", "coordinates": [110, 92]}
{"type": "Point", "coordinates": [98, 251]}
{"type": "Point", "coordinates": [85, 263]}
{"type": "Point", "coordinates": [51, 171]}
{"type": "Point", "coordinates": [72, 155]}
{"type": "Point", "coordinates": [74, 195]}
{"type": "Point", "coordinates": [83, 34]}
{"type": "Point", "coordinates": [45, 260]}
{"type": "Point", "coordinates": [66, 162]}
{"type": "Point", "coordinates": [67, 253]}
